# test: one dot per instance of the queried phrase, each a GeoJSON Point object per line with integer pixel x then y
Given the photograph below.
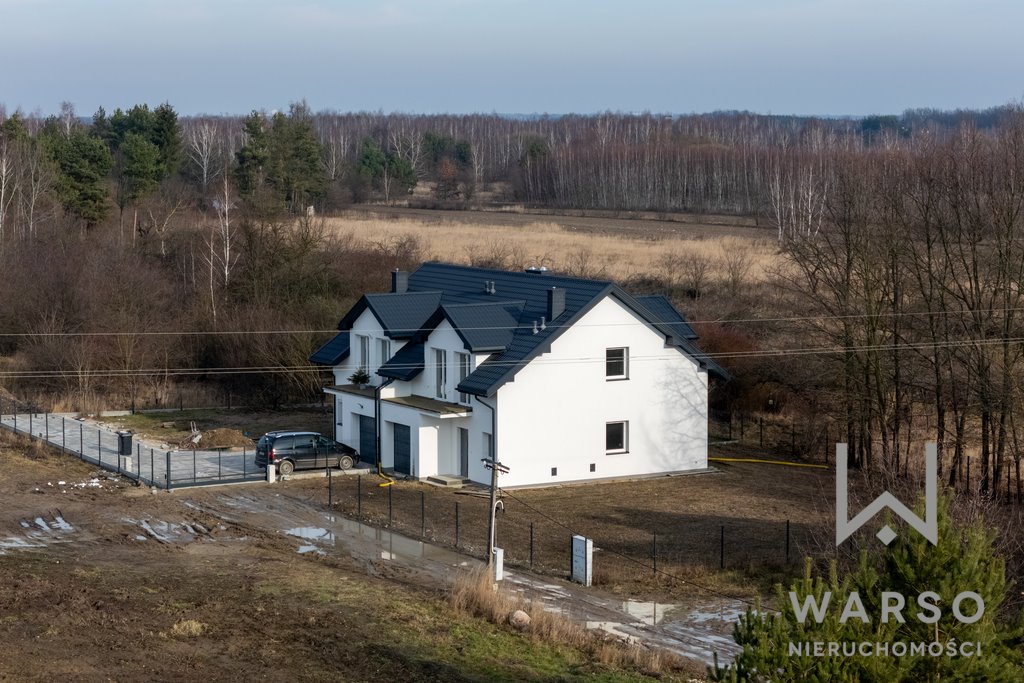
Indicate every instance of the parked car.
{"type": "Point", "coordinates": [292, 450]}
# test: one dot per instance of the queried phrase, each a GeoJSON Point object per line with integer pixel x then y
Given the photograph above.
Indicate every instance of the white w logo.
{"type": "Point", "coordinates": [846, 526]}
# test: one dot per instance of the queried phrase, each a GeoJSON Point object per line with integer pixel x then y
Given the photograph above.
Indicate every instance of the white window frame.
{"type": "Point", "coordinates": [363, 342]}
{"type": "Point", "coordinates": [441, 374]}
{"type": "Point", "coordinates": [488, 439]}
{"type": "Point", "coordinates": [625, 363]}
{"type": "Point", "coordinates": [465, 366]}
{"type": "Point", "coordinates": [625, 436]}
{"type": "Point", "coordinates": [383, 351]}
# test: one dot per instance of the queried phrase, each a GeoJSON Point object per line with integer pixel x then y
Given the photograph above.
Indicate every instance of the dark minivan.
{"type": "Point", "coordinates": [292, 451]}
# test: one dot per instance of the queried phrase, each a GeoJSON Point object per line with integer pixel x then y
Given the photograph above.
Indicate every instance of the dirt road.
{"type": "Point", "coordinates": [101, 580]}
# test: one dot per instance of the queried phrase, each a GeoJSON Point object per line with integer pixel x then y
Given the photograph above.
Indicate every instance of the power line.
{"type": "Point", "coordinates": [728, 321]}
{"type": "Point", "coordinates": [758, 353]}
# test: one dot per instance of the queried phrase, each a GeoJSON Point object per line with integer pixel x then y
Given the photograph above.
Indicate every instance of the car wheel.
{"type": "Point", "coordinates": [285, 467]}
{"type": "Point", "coordinates": [346, 462]}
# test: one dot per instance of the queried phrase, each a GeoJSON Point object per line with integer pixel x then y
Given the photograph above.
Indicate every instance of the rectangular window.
{"type": "Point", "coordinates": [488, 446]}
{"type": "Point", "coordinates": [616, 363]}
{"type": "Point", "coordinates": [383, 351]}
{"type": "Point", "coordinates": [464, 366]}
{"type": "Point", "coordinates": [364, 352]}
{"type": "Point", "coordinates": [441, 374]}
{"type": "Point", "coordinates": [616, 437]}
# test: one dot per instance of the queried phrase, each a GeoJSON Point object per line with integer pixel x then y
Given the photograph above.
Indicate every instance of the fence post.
{"type": "Point", "coordinates": [63, 433]}
{"type": "Point", "coordinates": [787, 541]}
{"type": "Point", "coordinates": [138, 460]}
{"type": "Point", "coordinates": [81, 442]}
{"type": "Point", "coordinates": [220, 474]}
{"type": "Point", "coordinates": [167, 472]}
{"type": "Point", "coordinates": [359, 495]}
{"type": "Point", "coordinates": [423, 515]}
{"type": "Point", "coordinates": [531, 544]}
{"type": "Point", "coordinates": [46, 421]}
{"type": "Point", "coordinates": [330, 490]}
{"type": "Point", "coordinates": [762, 432]}
{"type": "Point", "coordinates": [457, 530]}
{"type": "Point", "coordinates": [152, 475]}
{"type": "Point", "coordinates": [721, 556]}
{"type": "Point", "coordinates": [389, 505]}
{"type": "Point", "coordinates": [654, 554]}
{"type": "Point", "coordinates": [99, 446]}
{"type": "Point", "coordinates": [245, 457]}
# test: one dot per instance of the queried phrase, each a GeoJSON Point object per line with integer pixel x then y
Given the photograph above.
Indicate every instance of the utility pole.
{"type": "Point", "coordinates": [495, 467]}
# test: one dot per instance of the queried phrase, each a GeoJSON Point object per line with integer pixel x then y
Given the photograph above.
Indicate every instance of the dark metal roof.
{"type": "Point", "coordinates": [503, 322]}
{"type": "Point", "coordinates": [485, 326]}
{"type": "Point", "coordinates": [664, 312]}
{"type": "Point", "coordinates": [333, 352]}
{"type": "Point", "coordinates": [405, 364]}
{"type": "Point", "coordinates": [400, 315]}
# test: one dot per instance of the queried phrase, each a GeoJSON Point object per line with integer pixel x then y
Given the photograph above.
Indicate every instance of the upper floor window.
{"type": "Point", "coordinates": [383, 351]}
{"type": "Point", "coordinates": [363, 344]}
{"type": "Point", "coordinates": [616, 363]}
{"type": "Point", "coordinates": [464, 368]}
{"type": "Point", "coordinates": [440, 374]}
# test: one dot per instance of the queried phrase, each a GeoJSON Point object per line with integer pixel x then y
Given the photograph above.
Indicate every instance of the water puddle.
{"type": "Point", "coordinates": [41, 531]}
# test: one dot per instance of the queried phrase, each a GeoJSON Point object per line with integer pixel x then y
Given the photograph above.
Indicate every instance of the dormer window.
{"type": "Point", "coordinates": [363, 344]}
{"type": "Point", "coordinates": [464, 368]}
{"type": "Point", "coordinates": [440, 374]}
{"type": "Point", "coordinates": [383, 351]}
{"type": "Point", "coordinates": [616, 363]}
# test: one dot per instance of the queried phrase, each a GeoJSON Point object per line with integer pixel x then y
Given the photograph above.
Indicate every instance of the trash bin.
{"type": "Point", "coordinates": [124, 443]}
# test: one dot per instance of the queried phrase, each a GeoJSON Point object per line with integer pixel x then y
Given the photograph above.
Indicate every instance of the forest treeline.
{"type": "Point", "coordinates": [141, 250]}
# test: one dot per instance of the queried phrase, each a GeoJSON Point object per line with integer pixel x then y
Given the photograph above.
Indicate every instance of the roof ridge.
{"type": "Point", "coordinates": [514, 273]}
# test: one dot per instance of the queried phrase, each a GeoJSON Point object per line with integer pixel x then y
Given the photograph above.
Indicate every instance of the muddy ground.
{"type": "Point", "coordinates": [100, 580]}
{"type": "Point", "coordinates": [751, 502]}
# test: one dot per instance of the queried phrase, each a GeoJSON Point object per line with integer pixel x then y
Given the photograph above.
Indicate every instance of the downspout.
{"type": "Point", "coordinates": [376, 423]}
{"type": "Point", "coordinates": [494, 479]}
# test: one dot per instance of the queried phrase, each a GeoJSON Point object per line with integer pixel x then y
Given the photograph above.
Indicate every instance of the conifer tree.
{"type": "Point", "coordinates": [963, 560]}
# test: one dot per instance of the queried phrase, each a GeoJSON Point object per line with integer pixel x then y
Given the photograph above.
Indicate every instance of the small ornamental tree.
{"type": "Point", "coordinates": [962, 561]}
{"type": "Point", "coordinates": [359, 378]}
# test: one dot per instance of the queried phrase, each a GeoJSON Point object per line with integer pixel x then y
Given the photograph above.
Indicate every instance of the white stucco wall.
{"type": "Point", "coordinates": [554, 413]}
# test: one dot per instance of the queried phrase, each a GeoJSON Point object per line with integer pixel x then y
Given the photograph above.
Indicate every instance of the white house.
{"type": "Point", "coordinates": [560, 379]}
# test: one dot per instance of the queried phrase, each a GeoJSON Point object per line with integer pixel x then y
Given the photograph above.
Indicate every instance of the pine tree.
{"type": "Point", "coordinates": [963, 560]}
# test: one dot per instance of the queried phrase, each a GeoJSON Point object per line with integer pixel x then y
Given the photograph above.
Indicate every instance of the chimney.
{"type": "Point", "coordinates": [399, 281]}
{"type": "Point", "coordinates": [556, 303]}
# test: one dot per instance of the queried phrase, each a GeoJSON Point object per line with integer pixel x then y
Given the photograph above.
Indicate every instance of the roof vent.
{"type": "Point", "coordinates": [535, 330]}
{"type": "Point", "coordinates": [489, 287]}
{"type": "Point", "coordinates": [537, 270]}
{"type": "Point", "coordinates": [543, 323]}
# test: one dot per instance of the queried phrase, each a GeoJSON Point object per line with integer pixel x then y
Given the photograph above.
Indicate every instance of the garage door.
{"type": "Point", "coordinates": [367, 439]}
{"type": "Point", "coordinates": [403, 449]}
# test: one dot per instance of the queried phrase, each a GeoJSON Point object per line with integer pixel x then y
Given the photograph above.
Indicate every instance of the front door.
{"type": "Point", "coordinates": [403, 449]}
{"type": "Point", "coordinates": [463, 452]}
{"type": "Point", "coordinates": [367, 439]}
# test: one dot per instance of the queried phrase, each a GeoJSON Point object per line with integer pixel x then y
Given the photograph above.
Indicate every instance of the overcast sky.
{"type": "Point", "coordinates": [828, 57]}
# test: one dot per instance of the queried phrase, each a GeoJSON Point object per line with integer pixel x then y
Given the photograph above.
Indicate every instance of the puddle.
{"type": "Point", "coordinates": [43, 530]}
{"type": "Point", "coordinates": [696, 630]}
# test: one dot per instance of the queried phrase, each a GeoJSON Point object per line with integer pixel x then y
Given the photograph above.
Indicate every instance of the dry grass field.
{"type": "Point", "coordinates": [618, 249]}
